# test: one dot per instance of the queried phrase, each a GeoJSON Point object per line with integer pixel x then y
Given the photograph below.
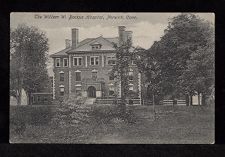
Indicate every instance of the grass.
{"type": "Point", "coordinates": [181, 124]}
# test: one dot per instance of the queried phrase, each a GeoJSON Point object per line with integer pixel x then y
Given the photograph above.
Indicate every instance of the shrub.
{"type": "Point", "coordinates": [108, 113]}
{"type": "Point", "coordinates": [71, 112]}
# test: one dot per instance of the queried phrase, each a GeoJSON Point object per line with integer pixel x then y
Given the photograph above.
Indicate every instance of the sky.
{"type": "Point", "coordinates": [146, 27]}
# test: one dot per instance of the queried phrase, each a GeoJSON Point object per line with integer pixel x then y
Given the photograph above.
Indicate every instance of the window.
{"type": "Point", "coordinates": [131, 74]}
{"type": "Point", "coordinates": [61, 90]}
{"type": "Point", "coordinates": [131, 87]}
{"type": "Point", "coordinates": [78, 90]}
{"type": "Point", "coordinates": [45, 98]}
{"type": "Point", "coordinates": [38, 98]}
{"type": "Point", "coordinates": [61, 76]}
{"type": "Point", "coordinates": [111, 91]}
{"type": "Point", "coordinates": [77, 61]}
{"type": "Point", "coordinates": [94, 60]}
{"type": "Point", "coordinates": [111, 60]}
{"type": "Point", "coordinates": [96, 46]}
{"type": "Point", "coordinates": [111, 76]}
{"type": "Point", "coordinates": [94, 75]}
{"type": "Point", "coordinates": [33, 98]}
{"type": "Point", "coordinates": [131, 77]}
{"type": "Point", "coordinates": [78, 76]}
{"type": "Point", "coordinates": [65, 62]}
{"type": "Point", "coordinates": [57, 64]}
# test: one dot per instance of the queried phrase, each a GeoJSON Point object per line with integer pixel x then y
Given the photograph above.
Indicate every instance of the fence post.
{"type": "Point", "coordinates": [153, 103]}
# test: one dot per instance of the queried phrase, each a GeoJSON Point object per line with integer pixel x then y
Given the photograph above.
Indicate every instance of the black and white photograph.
{"type": "Point", "coordinates": [112, 78]}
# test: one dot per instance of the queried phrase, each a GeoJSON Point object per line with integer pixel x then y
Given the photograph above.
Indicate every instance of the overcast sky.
{"type": "Point", "coordinates": [146, 27]}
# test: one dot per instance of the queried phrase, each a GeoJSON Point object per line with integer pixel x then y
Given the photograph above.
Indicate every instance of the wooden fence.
{"type": "Point", "coordinates": [166, 102]}
{"type": "Point", "coordinates": [111, 101]}
{"type": "Point", "coordinates": [177, 102]}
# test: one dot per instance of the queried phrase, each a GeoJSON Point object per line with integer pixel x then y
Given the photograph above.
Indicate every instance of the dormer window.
{"type": "Point", "coordinates": [96, 46]}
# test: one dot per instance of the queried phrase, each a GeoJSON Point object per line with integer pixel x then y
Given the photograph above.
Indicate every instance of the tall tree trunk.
{"type": "Point", "coordinates": [153, 103]}
{"type": "Point", "coordinates": [199, 98]}
{"type": "Point", "coordinates": [19, 90]}
{"type": "Point", "coordinates": [203, 99]}
{"type": "Point", "coordinates": [28, 98]}
{"type": "Point", "coordinates": [191, 101]}
{"type": "Point", "coordinates": [187, 99]}
{"type": "Point", "coordinates": [18, 97]}
{"type": "Point", "coordinates": [123, 96]}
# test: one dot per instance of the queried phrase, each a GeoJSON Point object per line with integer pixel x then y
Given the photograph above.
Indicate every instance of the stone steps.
{"type": "Point", "coordinates": [90, 101]}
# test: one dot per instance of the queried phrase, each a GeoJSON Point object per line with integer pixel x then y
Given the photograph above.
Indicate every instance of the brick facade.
{"type": "Point", "coordinates": [81, 75]}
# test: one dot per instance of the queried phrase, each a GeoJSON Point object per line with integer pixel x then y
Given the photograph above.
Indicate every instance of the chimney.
{"type": "Point", "coordinates": [75, 36]}
{"type": "Point", "coordinates": [68, 43]}
{"type": "Point", "coordinates": [128, 36]}
{"type": "Point", "coordinates": [121, 30]}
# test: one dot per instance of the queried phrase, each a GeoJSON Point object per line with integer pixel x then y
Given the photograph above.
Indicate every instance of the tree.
{"type": "Point", "coordinates": [124, 55]}
{"type": "Point", "coordinates": [28, 48]}
{"type": "Point", "coordinates": [185, 37]}
{"type": "Point", "coordinates": [149, 66]}
{"type": "Point", "coordinates": [199, 75]}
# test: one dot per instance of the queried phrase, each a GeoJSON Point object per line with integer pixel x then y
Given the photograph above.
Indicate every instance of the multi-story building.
{"type": "Point", "coordinates": [84, 67]}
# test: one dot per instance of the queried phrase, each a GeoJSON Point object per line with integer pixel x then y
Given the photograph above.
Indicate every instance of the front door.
{"type": "Point", "coordinates": [91, 92]}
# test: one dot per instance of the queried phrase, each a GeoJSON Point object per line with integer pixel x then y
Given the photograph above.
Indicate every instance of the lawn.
{"type": "Point", "coordinates": [179, 124]}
